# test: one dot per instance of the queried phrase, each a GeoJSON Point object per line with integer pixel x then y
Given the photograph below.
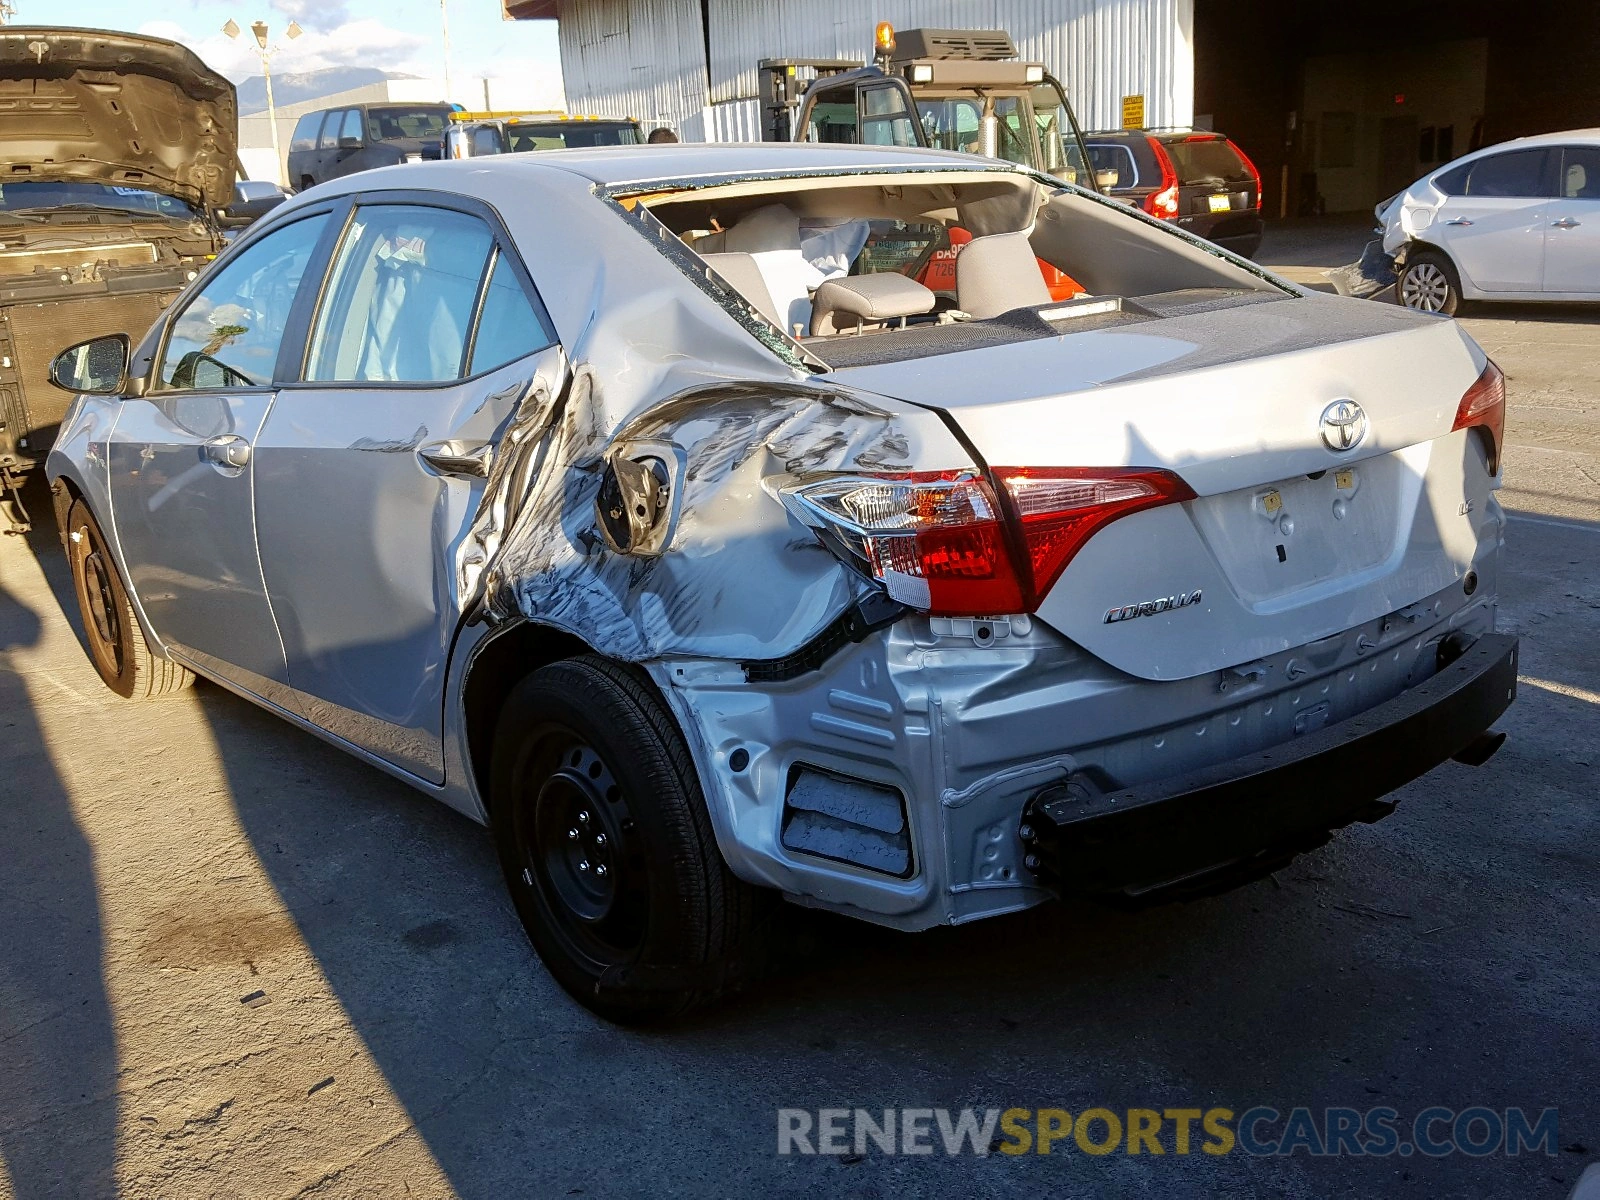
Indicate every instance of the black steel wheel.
{"type": "Point", "coordinates": [607, 847]}
{"type": "Point", "coordinates": [111, 631]}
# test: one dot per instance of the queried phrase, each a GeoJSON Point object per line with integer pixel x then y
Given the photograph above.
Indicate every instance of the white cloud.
{"type": "Point", "coordinates": [364, 43]}
{"type": "Point", "coordinates": [314, 14]}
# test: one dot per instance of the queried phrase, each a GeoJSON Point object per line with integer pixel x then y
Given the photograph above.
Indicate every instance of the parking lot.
{"type": "Point", "coordinates": [237, 962]}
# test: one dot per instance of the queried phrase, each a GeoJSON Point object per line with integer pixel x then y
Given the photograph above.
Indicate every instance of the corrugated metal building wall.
{"type": "Point", "coordinates": [648, 58]}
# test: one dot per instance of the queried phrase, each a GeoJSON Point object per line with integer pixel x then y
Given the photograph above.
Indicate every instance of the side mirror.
{"type": "Point", "coordinates": [350, 143]}
{"type": "Point", "coordinates": [1107, 179]}
{"type": "Point", "coordinates": [241, 212]}
{"type": "Point", "coordinates": [98, 367]}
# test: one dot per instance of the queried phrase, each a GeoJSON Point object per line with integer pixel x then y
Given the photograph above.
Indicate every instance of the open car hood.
{"type": "Point", "coordinates": [92, 105]}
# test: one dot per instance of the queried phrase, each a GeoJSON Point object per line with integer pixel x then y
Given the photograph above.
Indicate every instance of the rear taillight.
{"type": "Point", "coordinates": [1255, 174]}
{"type": "Point", "coordinates": [1164, 203]}
{"type": "Point", "coordinates": [1059, 509]}
{"type": "Point", "coordinates": [936, 540]}
{"type": "Point", "coordinates": [944, 543]}
{"type": "Point", "coordinates": [1484, 406]}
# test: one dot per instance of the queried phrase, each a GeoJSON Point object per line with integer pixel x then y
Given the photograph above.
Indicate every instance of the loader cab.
{"type": "Point", "coordinates": [949, 89]}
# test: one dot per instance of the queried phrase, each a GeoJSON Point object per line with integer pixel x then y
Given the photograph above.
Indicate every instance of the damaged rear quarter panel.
{"type": "Point", "coordinates": [654, 359]}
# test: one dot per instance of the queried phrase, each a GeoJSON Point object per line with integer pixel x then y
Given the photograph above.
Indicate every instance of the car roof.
{"type": "Point", "coordinates": [1162, 135]}
{"type": "Point", "coordinates": [1548, 139]}
{"type": "Point", "coordinates": [612, 165]}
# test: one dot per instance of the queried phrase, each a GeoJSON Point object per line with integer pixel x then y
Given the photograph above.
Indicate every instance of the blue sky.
{"type": "Point", "coordinates": [392, 35]}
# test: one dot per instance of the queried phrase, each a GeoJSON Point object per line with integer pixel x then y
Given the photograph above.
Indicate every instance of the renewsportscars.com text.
{"type": "Point", "coordinates": [1340, 1132]}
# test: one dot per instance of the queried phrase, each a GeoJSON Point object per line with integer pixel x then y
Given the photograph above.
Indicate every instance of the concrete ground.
{"type": "Point", "coordinates": [234, 962]}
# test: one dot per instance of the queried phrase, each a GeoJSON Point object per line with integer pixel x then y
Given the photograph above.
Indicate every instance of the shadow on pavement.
{"type": "Point", "coordinates": [58, 1050]}
{"type": "Point", "coordinates": [1364, 974]}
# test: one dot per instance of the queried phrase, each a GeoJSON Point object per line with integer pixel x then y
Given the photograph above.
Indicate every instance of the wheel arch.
{"type": "Point", "coordinates": [497, 665]}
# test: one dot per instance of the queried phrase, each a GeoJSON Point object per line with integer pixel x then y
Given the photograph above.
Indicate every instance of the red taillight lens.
{"type": "Point", "coordinates": [1059, 509]}
{"type": "Point", "coordinates": [1484, 405]}
{"type": "Point", "coordinates": [1163, 203]}
{"type": "Point", "coordinates": [940, 542]}
{"type": "Point", "coordinates": [1245, 158]}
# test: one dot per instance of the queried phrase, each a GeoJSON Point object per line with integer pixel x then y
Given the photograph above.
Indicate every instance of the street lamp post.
{"type": "Point", "coordinates": [265, 51]}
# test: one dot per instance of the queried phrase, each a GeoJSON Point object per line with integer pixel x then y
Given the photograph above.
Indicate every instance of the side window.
{"type": "Point", "coordinates": [400, 302]}
{"type": "Point", "coordinates": [485, 140]}
{"type": "Point", "coordinates": [1580, 173]}
{"type": "Point", "coordinates": [330, 130]}
{"type": "Point", "coordinates": [508, 326]}
{"type": "Point", "coordinates": [1517, 173]}
{"type": "Point", "coordinates": [887, 119]}
{"type": "Point", "coordinates": [228, 335]}
{"type": "Point", "coordinates": [1113, 156]}
{"type": "Point", "coordinates": [305, 132]}
{"type": "Point", "coordinates": [1454, 181]}
{"type": "Point", "coordinates": [833, 118]}
{"type": "Point", "coordinates": [352, 125]}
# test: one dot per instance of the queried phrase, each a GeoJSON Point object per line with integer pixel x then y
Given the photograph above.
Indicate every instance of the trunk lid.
{"type": "Point", "coordinates": [1287, 541]}
{"type": "Point", "coordinates": [91, 105]}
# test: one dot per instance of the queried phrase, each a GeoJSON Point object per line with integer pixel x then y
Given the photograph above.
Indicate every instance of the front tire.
{"type": "Point", "coordinates": [606, 845]}
{"type": "Point", "coordinates": [115, 641]}
{"type": "Point", "coordinates": [1429, 283]}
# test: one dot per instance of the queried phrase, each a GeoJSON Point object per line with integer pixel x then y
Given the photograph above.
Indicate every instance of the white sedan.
{"type": "Point", "coordinates": [1515, 221]}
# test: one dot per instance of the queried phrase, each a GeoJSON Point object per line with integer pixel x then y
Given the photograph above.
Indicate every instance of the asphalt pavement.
{"type": "Point", "coordinates": [235, 962]}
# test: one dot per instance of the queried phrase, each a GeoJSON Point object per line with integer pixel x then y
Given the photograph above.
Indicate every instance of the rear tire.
{"type": "Point", "coordinates": [1430, 284]}
{"type": "Point", "coordinates": [111, 630]}
{"type": "Point", "coordinates": [607, 847]}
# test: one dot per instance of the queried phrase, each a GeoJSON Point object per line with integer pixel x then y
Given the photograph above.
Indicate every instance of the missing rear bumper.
{"type": "Point", "coordinates": [1223, 825]}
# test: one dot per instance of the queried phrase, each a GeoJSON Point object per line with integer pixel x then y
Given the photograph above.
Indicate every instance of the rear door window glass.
{"type": "Point", "coordinates": [1517, 173]}
{"type": "Point", "coordinates": [228, 336]}
{"type": "Point", "coordinates": [400, 302]}
{"type": "Point", "coordinates": [1112, 156]}
{"type": "Point", "coordinates": [1580, 173]}
{"type": "Point", "coordinates": [330, 130]}
{"type": "Point", "coordinates": [509, 328]}
{"type": "Point", "coordinates": [305, 132]}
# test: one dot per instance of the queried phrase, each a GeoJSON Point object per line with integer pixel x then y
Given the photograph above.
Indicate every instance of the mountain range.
{"type": "Point", "coordinates": [308, 85]}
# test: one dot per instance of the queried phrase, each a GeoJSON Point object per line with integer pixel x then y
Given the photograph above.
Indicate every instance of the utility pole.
{"type": "Point", "coordinates": [444, 27]}
{"type": "Point", "coordinates": [265, 51]}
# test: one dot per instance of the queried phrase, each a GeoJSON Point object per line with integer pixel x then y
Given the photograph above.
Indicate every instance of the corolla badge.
{"type": "Point", "coordinates": [1343, 425]}
{"type": "Point", "coordinates": [1149, 608]}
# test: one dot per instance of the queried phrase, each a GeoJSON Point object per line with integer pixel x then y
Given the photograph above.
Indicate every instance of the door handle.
{"type": "Point", "coordinates": [458, 458]}
{"type": "Point", "coordinates": [229, 450]}
{"type": "Point", "coordinates": [1565, 223]}
{"type": "Point", "coordinates": [1458, 221]}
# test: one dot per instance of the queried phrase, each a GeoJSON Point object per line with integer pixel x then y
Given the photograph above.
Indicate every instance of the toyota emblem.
{"type": "Point", "coordinates": [1343, 425]}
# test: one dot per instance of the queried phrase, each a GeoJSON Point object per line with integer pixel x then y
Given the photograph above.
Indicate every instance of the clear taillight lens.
{"type": "Point", "coordinates": [944, 543]}
{"type": "Point", "coordinates": [1484, 406]}
{"type": "Point", "coordinates": [936, 540]}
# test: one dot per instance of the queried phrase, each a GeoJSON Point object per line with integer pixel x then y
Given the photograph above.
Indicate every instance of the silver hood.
{"type": "Point", "coordinates": [96, 106]}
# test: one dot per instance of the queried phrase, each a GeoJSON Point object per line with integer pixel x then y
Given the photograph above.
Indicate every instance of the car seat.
{"type": "Point", "coordinates": [998, 272]}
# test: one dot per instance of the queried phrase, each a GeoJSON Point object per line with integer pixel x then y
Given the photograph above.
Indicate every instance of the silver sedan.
{"type": "Point", "coordinates": [904, 534]}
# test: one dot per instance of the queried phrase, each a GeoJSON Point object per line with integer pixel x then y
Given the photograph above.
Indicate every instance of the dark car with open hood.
{"type": "Point", "coordinates": [118, 155]}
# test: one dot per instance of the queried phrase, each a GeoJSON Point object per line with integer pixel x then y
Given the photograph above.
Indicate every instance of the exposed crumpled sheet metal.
{"type": "Point", "coordinates": [739, 579]}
